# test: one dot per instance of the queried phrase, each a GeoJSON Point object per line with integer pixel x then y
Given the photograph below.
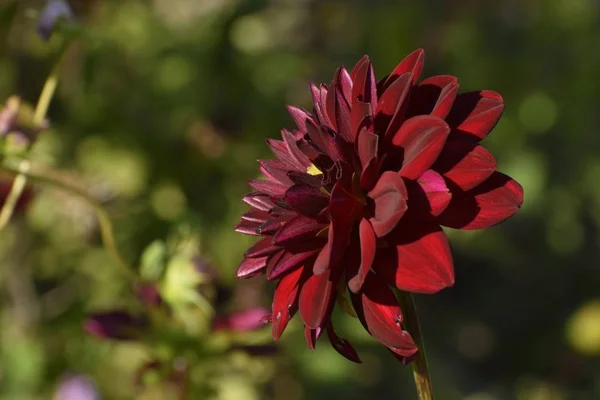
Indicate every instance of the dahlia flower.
{"type": "Point", "coordinates": [353, 204]}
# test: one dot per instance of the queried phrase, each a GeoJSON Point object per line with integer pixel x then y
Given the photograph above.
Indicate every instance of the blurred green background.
{"type": "Point", "coordinates": [161, 113]}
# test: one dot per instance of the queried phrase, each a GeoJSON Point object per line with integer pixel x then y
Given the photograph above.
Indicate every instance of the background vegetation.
{"type": "Point", "coordinates": [162, 110]}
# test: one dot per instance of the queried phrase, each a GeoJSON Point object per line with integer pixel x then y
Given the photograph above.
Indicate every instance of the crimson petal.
{"type": "Point", "coordinates": [298, 229]}
{"type": "Point", "coordinates": [392, 105]}
{"type": "Point", "coordinates": [475, 114]}
{"type": "Point", "coordinates": [435, 189]}
{"type": "Point", "coordinates": [298, 156]}
{"type": "Point", "coordinates": [288, 262]}
{"type": "Point", "coordinates": [367, 146]}
{"type": "Point", "coordinates": [275, 170]}
{"type": "Point", "coordinates": [422, 138]}
{"type": "Point", "coordinates": [300, 117]}
{"type": "Point", "coordinates": [311, 336]}
{"type": "Point", "coordinates": [368, 246]}
{"type": "Point", "coordinates": [417, 260]}
{"type": "Point", "coordinates": [342, 346]}
{"type": "Point", "coordinates": [364, 87]}
{"type": "Point", "coordinates": [273, 189]}
{"type": "Point", "coordinates": [389, 196]}
{"type": "Point", "coordinates": [248, 228]}
{"type": "Point", "coordinates": [259, 201]}
{"type": "Point", "coordinates": [285, 300]}
{"type": "Point", "coordinates": [412, 63]}
{"type": "Point", "coordinates": [316, 298]}
{"type": "Point", "coordinates": [380, 313]}
{"type": "Point", "coordinates": [306, 199]}
{"type": "Point", "coordinates": [465, 163]}
{"type": "Point", "coordinates": [488, 204]}
{"type": "Point", "coordinates": [251, 267]}
{"type": "Point", "coordinates": [263, 247]}
{"type": "Point", "coordinates": [434, 96]}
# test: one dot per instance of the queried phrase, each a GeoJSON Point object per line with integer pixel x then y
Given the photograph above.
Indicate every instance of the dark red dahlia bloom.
{"type": "Point", "coordinates": [358, 193]}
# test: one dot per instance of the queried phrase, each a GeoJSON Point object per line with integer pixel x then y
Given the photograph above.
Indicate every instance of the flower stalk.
{"type": "Point", "coordinates": [41, 109]}
{"type": "Point", "coordinates": [420, 370]}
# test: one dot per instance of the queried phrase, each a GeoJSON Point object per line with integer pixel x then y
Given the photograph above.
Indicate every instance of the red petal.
{"type": "Point", "coordinates": [490, 203]}
{"type": "Point", "coordinates": [306, 200]}
{"type": "Point", "coordinates": [259, 201]}
{"type": "Point", "coordinates": [288, 262]}
{"type": "Point", "coordinates": [337, 241]}
{"type": "Point", "coordinates": [257, 216]}
{"type": "Point", "coordinates": [263, 247]}
{"type": "Point", "coordinates": [368, 246]}
{"type": "Point", "coordinates": [270, 188]}
{"type": "Point", "coordinates": [422, 138]}
{"type": "Point", "coordinates": [242, 321]}
{"type": "Point", "coordinates": [434, 187]}
{"type": "Point", "coordinates": [342, 346]}
{"type": "Point", "coordinates": [412, 63]}
{"type": "Point", "coordinates": [364, 87]}
{"type": "Point", "coordinates": [247, 227]}
{"type": "Point", "coordinates": [367, 146]}
{"type": "Point", "coordinates": [361, 117]}
{"type": "Point", "coordinates": [475, 114]}
{"type": "Point", "coordinates": [300, 117]}
{"type": "Point", "coordinates": [418, 259]}
{"type": "Point", "coordinates": [298, 229]}
{"type": "Point", "coordinates": [434, 96]}
{"type": "Point", "coordinates": [389, 196]}
{"type": "Point", "coordinates": [316, 298]}
{"type": "Point", "coordinates": [345, 85]}
{"type": "Point", "coordinates": [251, 267]}
{"type": "Point", "coordinates": [465, 163]}
{"type": "Point", "coordinates": [343, 206]}
{"type": "Point", "coordinates": [392, 105]}
{"type": "Point", "coordinates": [275, 170]}
{"type": "Point", "coordinates": [281, 151]}
{"type": "Point", "coordinates": [298, 156]}
{"type": "Point", "coordinates": [382, 315]}
{"type": "Point", "coordinates": [285, 301]}
{"type": "Point", "coordinates": [311, 336]}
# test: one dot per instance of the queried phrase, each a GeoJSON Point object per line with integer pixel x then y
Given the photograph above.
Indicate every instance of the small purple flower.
{"type": "Point", "coordinates": [117, 324]}
{"type": "Point", "coordinates": [243, 321]}
{"type": "Point", "coordinates": [76, 387]}
{"type": "Point", "coordinates": [16, 118]}
{"type": "Point", "coordinates": [51, 14]}
{"type": "Point", "coordinates": [149, 294]}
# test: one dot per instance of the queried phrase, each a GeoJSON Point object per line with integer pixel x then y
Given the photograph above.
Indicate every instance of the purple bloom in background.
{"type": "Point", "coordinates": [118, 324]}
{"type": "Point", "coordinates": [243, 321]}
{"type": "Point", "coordinates": [149, 294]}
{"type": "Point", "coordinates": [15, 118]}
{"type": "Point", "coordinates": [76, 387]}
{"type": "Point", "coordinates": [51, 14]}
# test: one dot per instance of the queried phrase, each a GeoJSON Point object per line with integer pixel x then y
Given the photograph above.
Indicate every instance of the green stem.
{"type": "Point", "coordinates": [39, 115]}
{"type": "Point", "coordinates": [104, 221]}
{"type": "Point", "coordinates": [420, 370]}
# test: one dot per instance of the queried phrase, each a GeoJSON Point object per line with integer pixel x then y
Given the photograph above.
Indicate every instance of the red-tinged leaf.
{"type": "Point", "coordinates": [437, 193]}
{"type": "Point", "coordinates": [488, 204]}
{"type": "Point", "coordinates": [368, 247]}
{"type": "Point", "coordinates": [389, 196]}
{"type": "Point", "coordinates": [285, 301]}
{"type": "Point", "coordinates": [434, 96]}
{"type": "Point", "coordinates": [412, 63]}
{"type": "Point", "coordinates": [381, 314]}
{"type": "Point", "coordinates": [251, 267]}
{"type": "Point", "coordinates": [259, 201]}
{"type": "Point", "coordinates": [311, 336]}
{"type": "Point", "coordinates": [316, 298]}
{"type": "Point", "coordinates": [263, 247]}
{"type": "Point", "coordinates": [275, 171]}
{"type": "Point", "coordinates": [300, 117]}
{"type": "Point", "coordinates": [422, 138]}
{"type": "Point", "coordinates": [418, 258]}
{"type": "Point", "coordinates": [290, 141]}
{"type": "Point", "coordinates": [298, 229]}
{"type": "Point", "coordinates": [342, 346]}
{"type": "Point", "coordinates": [465, 163]}
{"type": "Point", "coordinates": [367, 146]}
{"type": "Point", "coordinates": [290, 261]}
{"type": "Point", "coordinates": [247, 227]}
{"type": "Point", "coordinates": [270, 188]}
{"type": "Point", "coordinates": [475, 114]}
{"type": "Point", "coordinates": [393, 105]}
{"type": "Point", "coordinates": [306, 200]}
